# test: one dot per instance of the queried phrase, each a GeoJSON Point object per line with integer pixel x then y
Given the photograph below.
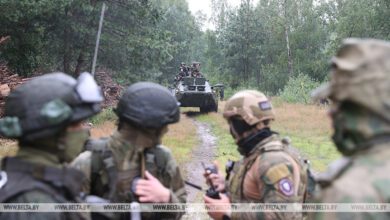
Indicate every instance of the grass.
{"type": "Point", "coordinates": [309, 128]}
{"type": "Point", "coordinates": [181, 139]}
{"type": "Point", "coordinates": [306, 125]}
{"type": "Point", "coordinates": [106, 115]}
{"type": "Point", "coordinates": [8, 148]}
{"type": "Point", "coordinates": [226, 147]}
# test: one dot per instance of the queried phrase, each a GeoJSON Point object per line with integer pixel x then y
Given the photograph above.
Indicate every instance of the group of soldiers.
{"type": "Point", "coordinates": [186, 71]}
{"type": "Point", "coordinates": [58, 162]}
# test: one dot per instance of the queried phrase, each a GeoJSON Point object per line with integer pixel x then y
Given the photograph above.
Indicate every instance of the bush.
{"type": "Point", "coordinates": [298, 89]}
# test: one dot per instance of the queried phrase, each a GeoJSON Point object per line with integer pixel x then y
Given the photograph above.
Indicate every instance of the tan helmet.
{"type": "Point", "coordinates": [251, 105]}
{"type": "Point", "coordinates": [361, 74]}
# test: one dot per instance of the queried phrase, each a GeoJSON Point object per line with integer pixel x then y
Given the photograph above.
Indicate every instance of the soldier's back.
{"type": "Point", "coordinates": [363, 178]}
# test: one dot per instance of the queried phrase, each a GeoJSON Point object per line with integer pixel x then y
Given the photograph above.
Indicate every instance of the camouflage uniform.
{"type": "Point", "coordinates": [271, 173]}
{"type": "Point", "coordinates": [270, 170]}
{"type": "Point", "coordinates": [359, 89]}
{"type": "Point", "coordinates": [118, 160]}
{"type": "Point", "coordinates": [39, 120]}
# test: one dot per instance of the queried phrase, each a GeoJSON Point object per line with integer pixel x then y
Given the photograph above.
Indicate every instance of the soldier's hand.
{"type": "Point", "coordinates": [216, 179]}
{"type": "Point", "coordinates": [151, 190]}
{"type": "Point", "coordinates": [222, 204]}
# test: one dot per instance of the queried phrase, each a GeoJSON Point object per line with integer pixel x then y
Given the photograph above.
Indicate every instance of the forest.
{"type": "Point", "coordinates": [281, 47]}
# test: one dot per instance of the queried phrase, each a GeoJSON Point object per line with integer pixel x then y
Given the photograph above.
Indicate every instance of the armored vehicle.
{"type": "Point", "coordinates": [196, 92]}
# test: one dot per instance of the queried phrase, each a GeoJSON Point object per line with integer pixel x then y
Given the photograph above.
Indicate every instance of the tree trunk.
{"type": "Point", "coordinates": [289, 56]}
{"type": "Point", "coordinates": [79, 65]}
{"type": "Point", "coordinates": [67, 56]}
{"type": "Point", "coordinates": [258, 76]}
{"type": "Point", "coordinates": [286, 30]}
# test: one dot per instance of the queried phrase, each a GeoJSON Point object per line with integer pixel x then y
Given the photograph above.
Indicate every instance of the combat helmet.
{"type": "Point", "coordinates": [47, 104]}
{"type": "Point", "coordinates": [252, 106]}
{"type": "Point", "coordinates": [361, 75]}
{"type": "Point", "coordinates": [148, 105]}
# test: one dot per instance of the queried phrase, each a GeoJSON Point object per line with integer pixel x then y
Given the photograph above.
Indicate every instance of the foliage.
{"type": "Point", "coordinates": [258, 44]}
{"type": "Point", "coordinates": [298, 89]}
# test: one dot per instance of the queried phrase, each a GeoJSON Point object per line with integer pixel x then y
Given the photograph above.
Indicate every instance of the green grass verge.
{"type": "Point", "coordinates": [181, 139]}
{"type": "Point", "coordinates": [106, 114]}
{"type": "Point", "coordinates": [318, 149]}
{"type": "Point", "coordinates": [181, 150]}
{"type": "Point", "coordinates": [226, 148]}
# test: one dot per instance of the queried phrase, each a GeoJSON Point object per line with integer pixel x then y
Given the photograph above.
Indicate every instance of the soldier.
{"type": "Point", "coordinates": [360, 110]}
{"type": "Point", "coordinates": [270, 170]}
{"type": "Point", "coordinates": [183, 69]}
{"type": "Point", "coordinates": [132, 165]}
{"type": "Point", "coordinates": [196, 70]}
{"type": "Point", "coordinates": [45, 115]}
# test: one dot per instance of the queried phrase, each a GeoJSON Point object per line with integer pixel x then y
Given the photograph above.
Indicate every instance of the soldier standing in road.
{"type": "Point", "coordinates": [45, 116]}
{"type": "Point", "coordinates": [360, 110]}
{"type": "Point", "coordinates": [132, 165]}
{"type": "Point", "coordinates": [270, 170]}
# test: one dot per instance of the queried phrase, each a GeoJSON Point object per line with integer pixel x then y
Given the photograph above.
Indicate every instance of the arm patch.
{"type": "Point", "coordinates": [275, 173]}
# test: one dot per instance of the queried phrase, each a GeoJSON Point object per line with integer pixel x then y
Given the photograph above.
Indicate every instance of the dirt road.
{"type": "Point", "coordinates": [205, 152]}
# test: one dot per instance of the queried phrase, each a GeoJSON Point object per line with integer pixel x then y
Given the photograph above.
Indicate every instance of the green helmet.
{"type": "Point", "coordinates": [148, 105]}
{"type": "Point", "coordinates": [47, 104]}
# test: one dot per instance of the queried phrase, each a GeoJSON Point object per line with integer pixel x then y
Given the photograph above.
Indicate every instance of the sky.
{"type": "Point", "coordinates": [205, 7]}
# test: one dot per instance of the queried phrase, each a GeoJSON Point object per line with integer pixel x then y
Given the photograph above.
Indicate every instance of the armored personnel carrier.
{"type": "Point", "coordinates": [196, 92]}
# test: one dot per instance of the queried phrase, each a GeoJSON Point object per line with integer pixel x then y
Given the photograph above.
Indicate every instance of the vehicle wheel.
{"type": "Point", "coordinates": [215, 109]}
{"type": "Point", "coordinates": [204, 109]}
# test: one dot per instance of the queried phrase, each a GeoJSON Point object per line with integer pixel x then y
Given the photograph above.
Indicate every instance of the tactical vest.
{"type": "Point", "coordinates": [155, 162]}
{"type": "Point", "coordinates": [63, 185]}
{"type": "Point", "coordinates": [236, 180]}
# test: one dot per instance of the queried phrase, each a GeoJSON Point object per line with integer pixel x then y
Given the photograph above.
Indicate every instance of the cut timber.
{"type": "Point", "coordinates": [3, 39]}
{"type": "Point", "coordinates": [4, 90]}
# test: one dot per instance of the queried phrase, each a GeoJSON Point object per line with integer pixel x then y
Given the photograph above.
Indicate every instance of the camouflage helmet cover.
{"type": "Point", "coordinates": [251, 105]}
{"type": "Point", "coordinates": [361, 74]}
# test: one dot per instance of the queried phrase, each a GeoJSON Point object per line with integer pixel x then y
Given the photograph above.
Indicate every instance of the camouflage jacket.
{"type": "Point", "coordinates": [36, 183]}
{"type": "Point", "coordinates": [271, 173]}
{"type": "Point", "coordinates": [116, 162]}
{"type": "Point", "coordinates": [362, 178]}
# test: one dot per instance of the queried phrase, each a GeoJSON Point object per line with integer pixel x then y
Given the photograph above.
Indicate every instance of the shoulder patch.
{"type": "Point", "coordinates": [276, 173]}
{"type": "Point", "coordinates": [286, 187]}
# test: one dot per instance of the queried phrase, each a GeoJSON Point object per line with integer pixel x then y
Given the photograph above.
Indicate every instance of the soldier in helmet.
{"type": "Point", "coordinates": [45, 115]}
{"type": "Point", "coordinates": [196, 70]}
{"type": "Point", "coordinates": [270, 170]}
{"type": "Point", "coordinates": [183, 69]}
{"type": "Point", "coordinates": [132, 165]}
{"type": "Point", "coordinates": [360, 110]}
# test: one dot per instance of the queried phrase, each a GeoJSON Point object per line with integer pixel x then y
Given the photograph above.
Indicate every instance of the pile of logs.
{"type": "Point", "coordinates": [8, 81]}
{"type": "Point", "coordinates": [111, 89]}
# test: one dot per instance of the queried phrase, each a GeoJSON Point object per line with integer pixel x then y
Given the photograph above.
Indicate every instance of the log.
{"type": "Point", "coordinates": [4, 90]}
